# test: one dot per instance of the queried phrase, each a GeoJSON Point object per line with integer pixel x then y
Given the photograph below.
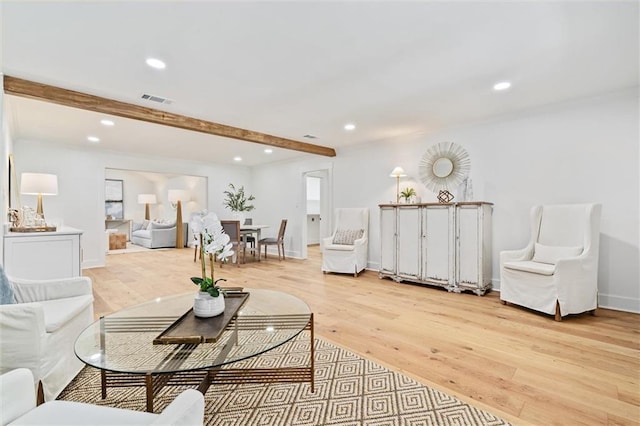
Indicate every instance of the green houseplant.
{"type": "Point", "coordinates": [237, 201]}
{"type": "Point", "coordinates": [407, 193]}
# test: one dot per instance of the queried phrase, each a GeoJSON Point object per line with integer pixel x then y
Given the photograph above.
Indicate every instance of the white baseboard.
{"type": "Point", "coordinates": [94, 263]}
{"type": "Point", "coordinates": [619, 303]}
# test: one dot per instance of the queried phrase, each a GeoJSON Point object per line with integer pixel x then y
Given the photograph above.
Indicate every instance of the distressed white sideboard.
{"type": "Point", "coordinates": [43, 255]}
{"type": "Point", "coordinates": [447, 245]}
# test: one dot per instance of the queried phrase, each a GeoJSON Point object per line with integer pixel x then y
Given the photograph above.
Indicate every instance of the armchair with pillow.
{"type": "Point", "coordinates": [39, 323]}
{"type": "Point", "coordinates": [557, 272]}
{"type": "Point", "coordinates": [346, 251]}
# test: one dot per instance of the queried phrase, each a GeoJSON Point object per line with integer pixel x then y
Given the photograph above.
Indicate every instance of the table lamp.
{"type": "Point", "coordinates": [147, 199]}
{"type": "Point", "coordinates": [39, 184]}
{"type": "Point", "coordinates": [176, 196]}
{"type": "Point", "coordinates": [397, 173]}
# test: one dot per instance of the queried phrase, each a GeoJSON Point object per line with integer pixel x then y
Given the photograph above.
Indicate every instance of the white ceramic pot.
{"type": "Point", "coordinates": [239, 216]}
{"type": "Point", "coordinates": [205, 305]}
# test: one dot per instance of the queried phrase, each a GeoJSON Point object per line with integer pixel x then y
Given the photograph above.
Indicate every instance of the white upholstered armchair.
{"type": "Point", "coordinates": [557, 272]}
{"type": "Point", "coordinates": [39, 323]}
{"type": "Point", "coordinates": [18, 407]}
{"type": "Point", "coordinates": [346, 251]}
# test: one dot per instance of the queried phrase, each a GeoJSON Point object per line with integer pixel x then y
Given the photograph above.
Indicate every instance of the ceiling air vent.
{"type": "Point", "coordinates": [310, 137]}
{"type": "Point", "coordinates": [154, 98]}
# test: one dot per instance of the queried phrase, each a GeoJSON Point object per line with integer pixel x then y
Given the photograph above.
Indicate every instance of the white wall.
{"type": "Point", "coordinates": [581, 151]}
{"type": "Point", "coordinates": [5, 149]}
{"type": "Point", "coordinates": [81, 174]}
{"type": "Point", "coordinates": [575, 152]}
{"type": "Point", "coordinates": [135, 183]}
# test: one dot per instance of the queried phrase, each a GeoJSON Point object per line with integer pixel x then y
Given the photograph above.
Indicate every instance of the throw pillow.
{"type": "Point", "coordinates": [551, 254]}
{"type": "Point", "coordinates": [146, 224]}
{"type": "Point", "coordinates": [136, 226]}
{"type": "Point", "coordinates": [7, 296]}
{"type": "Point", "coordinates": [347, 237]}
{"type": "Point", "coordinates": [155, 225]}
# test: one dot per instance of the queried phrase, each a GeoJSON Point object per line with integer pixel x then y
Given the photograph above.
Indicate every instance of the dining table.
{"type": "Point", "coordinates": [255, 231]}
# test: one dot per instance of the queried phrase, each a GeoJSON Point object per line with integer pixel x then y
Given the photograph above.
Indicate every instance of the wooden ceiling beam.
{"type": "Point", "coordinates": [33, 90]}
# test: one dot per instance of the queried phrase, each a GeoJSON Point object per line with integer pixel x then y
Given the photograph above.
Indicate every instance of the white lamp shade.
{"type": "Point", "coordinates": [397, 172]}
{"type": "Point", "coordinates": [147, 199]}
{"type": "Point", "coordinates": [176, 195]}
{"type": "Point", "coordinates": [39, 183]}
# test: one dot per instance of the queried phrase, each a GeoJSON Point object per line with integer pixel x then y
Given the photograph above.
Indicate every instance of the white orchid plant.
{"type": "Point", "coordinates": [213, 241]}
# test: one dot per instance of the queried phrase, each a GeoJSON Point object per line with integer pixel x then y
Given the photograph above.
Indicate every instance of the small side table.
{"type": "Point", "coordinates": [117, 241]}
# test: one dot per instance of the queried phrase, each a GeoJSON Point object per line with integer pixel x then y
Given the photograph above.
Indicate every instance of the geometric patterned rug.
{"type": "Point", "coordinates": [349, 391]}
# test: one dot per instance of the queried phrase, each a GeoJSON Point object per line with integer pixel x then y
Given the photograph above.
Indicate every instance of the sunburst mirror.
{"type": "Point", "coordinates": [443, 167]}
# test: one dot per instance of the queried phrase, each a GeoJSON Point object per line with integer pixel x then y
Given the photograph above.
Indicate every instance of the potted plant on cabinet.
{"type": "Point", "coordinates": [238, 202]}
{"type": "Point", "coordinates": [408, 194]}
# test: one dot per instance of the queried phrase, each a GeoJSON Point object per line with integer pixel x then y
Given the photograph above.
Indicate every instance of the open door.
{"type": "Point", "coordinates": [317, 207]}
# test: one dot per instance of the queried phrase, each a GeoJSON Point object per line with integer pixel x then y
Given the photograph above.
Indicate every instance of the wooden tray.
{"type": "Point", "coordinates": [33, 229]}
{"type": "Point", "coordinates": [191, 329]}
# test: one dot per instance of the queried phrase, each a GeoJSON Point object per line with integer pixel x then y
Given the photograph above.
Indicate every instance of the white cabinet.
{"type": "Point", "coordinates": [408, 242]}
{"type": "Point", "coordinates": [43, 255]}
{"type": "Point", "coordinates": [438, 243]}
{"type": "Point", "coordinates": [473, 251]}
{"type": "Point", "coordinates": [389, 249]}
{"type": "Point", "coordinates": [447, 245]}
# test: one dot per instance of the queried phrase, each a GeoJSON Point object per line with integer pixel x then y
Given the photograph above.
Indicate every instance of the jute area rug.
{"type": "Point", "coordinates": [349, 390]}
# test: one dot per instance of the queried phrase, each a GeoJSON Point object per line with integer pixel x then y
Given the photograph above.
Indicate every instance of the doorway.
{"type": "Point", "coordinates": [316, 218]}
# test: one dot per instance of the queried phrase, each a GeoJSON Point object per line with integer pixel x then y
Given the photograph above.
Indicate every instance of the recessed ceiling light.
{"type": "Point", "coordinates": [349, 126]}
{"type": "Point", "coordinates": [156, 63]}
{"type": "Point", "coordinates": [93, 139]}
{"type": "Point", "coordinates": [106, 122]}
{"type": "Point", "coordinates": [503, 85]}
{"type": "Point", "coordinates": [237, 158]}
{"type": "Point", "coordinates": [268, 151]}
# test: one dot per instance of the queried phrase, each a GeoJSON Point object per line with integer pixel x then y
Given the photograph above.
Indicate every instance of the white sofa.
{"type": "Point", "coordinates": [155, 234]}
{"type": "Point", "coordinates": [18, 407]}
{"type": "Point", "coordinates": [39, 330]}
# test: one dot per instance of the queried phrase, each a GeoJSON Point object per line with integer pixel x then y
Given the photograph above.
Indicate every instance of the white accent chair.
{"type": "Point", "coordinates": [18, 407]}
{"type": "Point", "coordinates": [38, 332]}
{"type": "Point", "coordinates": [557, 272]}
{"type": "Point", "coordinates": [346, 251]}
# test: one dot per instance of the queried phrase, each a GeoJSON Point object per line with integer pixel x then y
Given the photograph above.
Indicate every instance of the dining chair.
{"type": "Point", "coordinates": [232, 229]}
{"type": "Point", "coordinates": [248, 238]}
{"type": "Point", "coordinates": [277, 241]}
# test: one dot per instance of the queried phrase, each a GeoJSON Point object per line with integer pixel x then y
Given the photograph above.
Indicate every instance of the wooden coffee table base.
{"type": "Point", "coordinates": [202, 379]}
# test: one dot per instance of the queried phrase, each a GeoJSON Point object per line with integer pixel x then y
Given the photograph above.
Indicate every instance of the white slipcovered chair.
{"type": "Point", "coordinates": [39, 323]}
{"type": "Point", "coordinates": [557, 272]}
{"type": "Point", "coordinates": [18, 405]}
{"type": "Point", "coordinates": [346, 251]}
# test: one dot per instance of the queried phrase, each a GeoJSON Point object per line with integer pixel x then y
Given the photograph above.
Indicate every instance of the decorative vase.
{"type": "Point", "coordinates": [238, 215]}
{"type": "Point", "coordinates": [205, 305]}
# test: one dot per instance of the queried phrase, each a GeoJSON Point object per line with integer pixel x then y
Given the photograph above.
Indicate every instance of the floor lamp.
{"type": "Point", "coordinates": [39, 184]}
{"type": "Point", "coordinates": [147, 199]}
{"type": "Point", "coordinates": [176, 196]}
{"type": "Point", "coordinates": [397, 173]}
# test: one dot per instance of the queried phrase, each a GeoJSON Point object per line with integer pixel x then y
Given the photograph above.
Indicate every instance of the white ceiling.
{"type": "Point", "coordinates": [295, 68]}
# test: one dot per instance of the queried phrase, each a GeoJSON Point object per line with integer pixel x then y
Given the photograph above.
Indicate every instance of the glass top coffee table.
{"type": "Point", "coordinates": [128, 346]}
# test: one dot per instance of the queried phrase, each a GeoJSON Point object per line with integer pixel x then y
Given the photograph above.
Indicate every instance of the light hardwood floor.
{"type": "Point", "coordinates": [516, 363]}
